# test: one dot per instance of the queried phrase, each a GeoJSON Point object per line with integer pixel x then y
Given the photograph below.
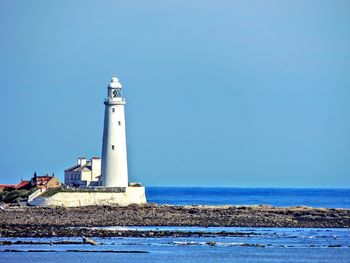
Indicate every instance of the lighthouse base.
{"type": "Point", "coordinates": [131, 195]}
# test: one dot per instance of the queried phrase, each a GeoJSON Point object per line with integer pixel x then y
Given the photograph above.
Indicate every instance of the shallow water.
{"type": "Point", "coordinates": [260, 244]}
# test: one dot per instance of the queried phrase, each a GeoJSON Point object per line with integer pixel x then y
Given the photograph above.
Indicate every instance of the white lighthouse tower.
{"type": "Point", "coordinates": [114, 168]}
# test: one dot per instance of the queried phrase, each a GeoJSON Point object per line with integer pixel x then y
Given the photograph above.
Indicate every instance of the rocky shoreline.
{"type": "Point", "coordinates": [79, 221]}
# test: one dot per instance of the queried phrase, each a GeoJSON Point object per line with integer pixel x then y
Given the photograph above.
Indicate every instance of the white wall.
{"type": "Point", "coordinates": [96, 168]}
{"type": "Point", "coordinates": [132, 195]}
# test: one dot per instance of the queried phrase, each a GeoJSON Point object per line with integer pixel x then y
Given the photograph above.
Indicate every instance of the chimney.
{"type": "Point", "coordinates": [81, 161]}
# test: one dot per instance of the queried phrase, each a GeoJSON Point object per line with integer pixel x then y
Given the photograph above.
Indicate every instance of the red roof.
{"type": "Point", "coordinates": [16, 186]}
{"type": "Point", "coordinates": [22, 184]}
{"type": "Point", "coordinates": [7, 186]}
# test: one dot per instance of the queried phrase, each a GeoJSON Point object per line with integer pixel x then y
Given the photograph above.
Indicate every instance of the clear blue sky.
{"type": "Point", "coordinates": [219, 93]}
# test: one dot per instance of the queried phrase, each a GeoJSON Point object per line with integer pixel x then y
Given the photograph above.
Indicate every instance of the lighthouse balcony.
{"type": "Point", "coordinates": [115, 101]}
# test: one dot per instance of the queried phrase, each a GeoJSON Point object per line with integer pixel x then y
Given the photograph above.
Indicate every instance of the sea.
{"type": "Point", "coordinates": [251, 244]}
{"type": "Point", "coordinates": [314, 197]}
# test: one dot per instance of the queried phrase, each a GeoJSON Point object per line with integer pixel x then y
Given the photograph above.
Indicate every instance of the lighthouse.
{"type": "Point", "coordinates": [110, 171]}
{"type": "Point", "coordinates": [114, 167]}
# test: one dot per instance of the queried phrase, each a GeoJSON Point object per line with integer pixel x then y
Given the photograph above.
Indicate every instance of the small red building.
{"type": "Point", "coordinates": [45, 181]}
{"type": "Point", "coordinates": [21, 185]}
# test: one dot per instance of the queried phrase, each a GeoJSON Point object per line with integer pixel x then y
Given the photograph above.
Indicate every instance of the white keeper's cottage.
{"type": "Point", "coordinates": [84, 173]}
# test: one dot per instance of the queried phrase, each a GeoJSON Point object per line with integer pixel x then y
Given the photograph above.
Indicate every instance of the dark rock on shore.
{"type": "Point", "coordinates": [89, 241]}
{"type": "Point", "coordinates": [60, 221]}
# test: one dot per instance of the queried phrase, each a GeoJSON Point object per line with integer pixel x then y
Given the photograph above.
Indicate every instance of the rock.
{"type": "Point", "coordinates": [47, 222]}
{"type": "Point", "coordinates": [89, 241]}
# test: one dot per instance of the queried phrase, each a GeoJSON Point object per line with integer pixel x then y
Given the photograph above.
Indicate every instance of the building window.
{"type": "Point", "coordinates": [119, 123]}
{"type": "Point", "coordinates": [112, 147]}
{"type": "Point", "coordinates": [113, 109]}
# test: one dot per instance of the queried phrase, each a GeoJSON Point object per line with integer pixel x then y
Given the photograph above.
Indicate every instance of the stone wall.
{"type": "Point", "coordinates": [132, 195]}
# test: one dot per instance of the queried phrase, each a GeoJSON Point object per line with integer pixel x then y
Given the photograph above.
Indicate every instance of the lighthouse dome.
{"type": "Point", "coordinates": [114, 83]}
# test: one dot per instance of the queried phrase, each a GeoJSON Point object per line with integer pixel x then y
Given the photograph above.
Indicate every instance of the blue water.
{"type": "Point", "coordinates": [332, 198]}
{"type": "Point", "coordinates": [259, 245]}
